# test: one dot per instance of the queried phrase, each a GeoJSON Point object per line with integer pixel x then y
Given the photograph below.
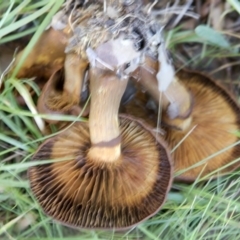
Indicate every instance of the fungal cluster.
{"type": "Point", "coordinates": [115, 170]}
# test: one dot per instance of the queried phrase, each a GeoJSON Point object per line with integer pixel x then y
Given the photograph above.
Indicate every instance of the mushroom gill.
{"type": "Point", "coordinates": [117, 173]}
{"type": "Point", "coordinates": [83, 193]}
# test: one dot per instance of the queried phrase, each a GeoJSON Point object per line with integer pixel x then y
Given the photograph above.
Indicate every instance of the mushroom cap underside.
{"type": "Point", "coordinates": [206, 141]}
{"type": "Point", "coordinates": [85, 193]}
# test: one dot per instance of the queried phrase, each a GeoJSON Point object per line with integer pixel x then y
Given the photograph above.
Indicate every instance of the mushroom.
{"type": "Point", "coordinates": [209, 117]}
{"type": "Point", "coordinates": [63, 95]}
{"type": "Point", "coordinates": [46, 56]}
{"type": "Point", "coordinates": [205, 136]}
{"type": "Point", "coordinates": [114, 172]}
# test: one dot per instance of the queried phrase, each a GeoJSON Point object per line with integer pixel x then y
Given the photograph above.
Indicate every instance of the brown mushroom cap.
{"type": "Point", "coordinates": [82, 192]}
{"type": "Point", "coordinates": [215, 117]}
{"type": "Point", "coordinates": [46, 56]}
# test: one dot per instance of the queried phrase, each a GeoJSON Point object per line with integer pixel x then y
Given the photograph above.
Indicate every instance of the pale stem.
{"type": "Point", "coordinates": [176, 99]}
{"type": "Point", "coordinates": [75, 69]}
{"type": "Point", "coordinates": [106, 93]}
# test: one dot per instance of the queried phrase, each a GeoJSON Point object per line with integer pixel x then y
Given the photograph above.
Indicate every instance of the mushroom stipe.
{"type": "Point", "coordinates": [83, 192]}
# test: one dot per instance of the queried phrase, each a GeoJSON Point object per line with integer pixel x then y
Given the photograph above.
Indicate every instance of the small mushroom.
{"type": "Point", "coordinates": [117, 173]}
{"type": "Point", "coordinates": [62, 94]}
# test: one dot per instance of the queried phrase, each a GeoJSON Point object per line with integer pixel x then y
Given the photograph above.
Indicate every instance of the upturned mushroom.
{"type": "Point", "coordinates": [62, 93]}
{"type": "Point", "coordinates": [199, 126]}
{"type": "Point", "coordinates": [204, 143]}
{"type": "Point", "coordinates": [117, 173]}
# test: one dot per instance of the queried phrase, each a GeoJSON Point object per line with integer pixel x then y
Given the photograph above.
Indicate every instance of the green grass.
{"type": "Point", "coordinates": [203, 210]}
